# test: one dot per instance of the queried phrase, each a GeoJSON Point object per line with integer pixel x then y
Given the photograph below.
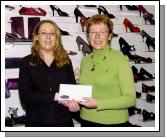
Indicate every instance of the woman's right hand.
{"type": "Point", "coordinates": [72, 105]}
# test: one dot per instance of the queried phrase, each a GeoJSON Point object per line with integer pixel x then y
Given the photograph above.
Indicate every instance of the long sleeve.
{"type": "Point", "coordinates": [127, 97]}
{"type": "Point", "coordinates": [30, 93]}
{"type": "Point", "coordinates": [38, 85]}
{"type": "Point", "coordinates": [112, 86]}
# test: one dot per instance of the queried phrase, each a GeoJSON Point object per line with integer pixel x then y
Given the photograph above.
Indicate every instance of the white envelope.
{"type": "Point", "coordinates": [76, 92]}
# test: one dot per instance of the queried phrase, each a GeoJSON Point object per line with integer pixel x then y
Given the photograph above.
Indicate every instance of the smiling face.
{"type": "Point", "coordinates": [46, 37]}
{"type": "Point", "coordinates": [99, 36]}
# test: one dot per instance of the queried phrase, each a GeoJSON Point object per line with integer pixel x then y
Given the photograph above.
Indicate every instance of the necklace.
{"type": "Point", "coordinates": [103, 59]}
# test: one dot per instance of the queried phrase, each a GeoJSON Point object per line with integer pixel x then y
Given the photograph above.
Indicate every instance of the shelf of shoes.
{"type": "Point", "coordinates": [75, 29]}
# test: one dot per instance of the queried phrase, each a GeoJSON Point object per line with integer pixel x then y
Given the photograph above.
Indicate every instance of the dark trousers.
{"type": "Point", "coordinates": [85, 123]}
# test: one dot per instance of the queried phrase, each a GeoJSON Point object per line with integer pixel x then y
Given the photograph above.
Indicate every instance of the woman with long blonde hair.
{"type": "Point", "coordinates": [40, 75]}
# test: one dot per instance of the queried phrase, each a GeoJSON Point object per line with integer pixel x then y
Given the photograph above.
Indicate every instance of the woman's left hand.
{"type": "Point", "coordinates": [73, 106]}
{"type": "Point", "coordinates": [89, 102]}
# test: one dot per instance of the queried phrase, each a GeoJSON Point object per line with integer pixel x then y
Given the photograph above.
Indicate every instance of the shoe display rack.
{"type": "Point", "coordinates": [133, 35]}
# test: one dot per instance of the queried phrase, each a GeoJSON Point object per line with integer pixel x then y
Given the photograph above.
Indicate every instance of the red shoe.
{"type": "Point", "coordinates": [32, 11]}
{"type": "Point", "coordinates": [132, 28]}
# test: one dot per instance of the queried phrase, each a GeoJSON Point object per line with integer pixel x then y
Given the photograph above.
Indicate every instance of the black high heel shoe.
{"type": "Point", "coordinates": [145, 72]}
{"type": "Point", "coordinates": [147, 89]}
{"type": "Point", "coordinates": [131, 7]}
{"type": "Point", "coordinates": [150, 98]}
{"type": "Point", "coordinates": [122, 42]}
{"type": "Point", "coordinates": [138, 94]}
{"type": "Point", "coordinates": [125, 51]}
{"type": "Point", "coordinates": [146, 60]}
{"type": "Point", "coordinates": [134, 110]}
{"type": "Point", "coordinates": [148, 115]}
{"type": "Point", "coordinates": [60, 13]}
{"type": "Point", "coordinates": [103, 10]}
{"type": "Point", "coordinates": [150, 41]}
{"type": "Point", "coordinates": [64, 32]}
{"type": "Point", "coordinates": [86, 49]}
{"type": "Point", "coordinates": [145, 34]}
{"type": "Point", "coordinates": [148, 17]}
{"type": "Point", "coordinates": [114, 35]}
{"type": "Point", "coordinates": [137, 76]}
{"type": "Point", "coordinates": [125, 48]}
{"type": "Point", "coordinates": [77, 13]}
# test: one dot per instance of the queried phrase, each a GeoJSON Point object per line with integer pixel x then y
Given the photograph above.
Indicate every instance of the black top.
{"type": "Point", "coordinates": [37, 88]}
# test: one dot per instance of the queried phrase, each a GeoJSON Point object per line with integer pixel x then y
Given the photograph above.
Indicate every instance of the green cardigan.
{"type": "Point", "coordinates": [113, 86]}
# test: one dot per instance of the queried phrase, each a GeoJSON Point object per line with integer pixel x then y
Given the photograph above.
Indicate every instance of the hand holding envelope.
{"type": "Point", "coordinates": [88, 103]}
{"type": "Point", "coordinates": [72, 105]}
{"type": "Point", "coordinates": [74, 92]}
{"type": "Point", "coordinates": [77, 93]}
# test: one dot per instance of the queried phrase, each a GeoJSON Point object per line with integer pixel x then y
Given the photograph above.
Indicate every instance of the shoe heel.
{"type": "Point", "coordinates": [121, 7]}
{"type": "Point", "coordinates": [76, 17]}
{"type": "Point", "coordinates": [82, 22]}
{"type": "Point", "coordinates": [125, 24]}
{"type": "Point", "coordinates": [99, 10]}
{"type": "Point", "coordinates": [78, 43]}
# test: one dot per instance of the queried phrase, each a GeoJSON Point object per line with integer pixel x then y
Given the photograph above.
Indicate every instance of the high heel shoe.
{"type": "Point", "coordinates": [148, 115]}
{"type": "Point", "coordinates": [86, 49]}
{"type": "Point", "coordinates": [145, 72]}
{"type": "Point", "coordinates": [149, 18]}
{"type": "Point", "coordinates": [138, 76]}
{"type": "Point", "coordinates": [150, 41]}
{"type": "Point", "coordinates": [9, 7]}
{"type": "Point", "coordinates": [145, 34]}
{"type": "Point", "coordinates": [71, 53]}
{"type": "Point", "coordinates": [60, 13]}
{"type": "Point", "coordinates": [147, 89]}
{"type": "Point", "coordinates": [64, 32]}
{"type": "Point", "coordinates": [131, 7]}
{"type": "Point", "coordinates": [138, 94]}
{"type": "Point", "coordinates": [103, 10]}
{"type": "Point", "coordinates": [146, 60]}
{"type": "Point", "coordinates": [150, 98]}
{"type": "Point", "coordinates": [134, 110]}
{"type": "Point", "coordinates": [122, 42]}
{"type": "Point", "coordinates": [32, 11]}
{"type": "Point", "coordinates": [132, 28]}
{"type": "Point", "coordinates": [15, 37]}
{"type": "Point", "coordinates": [77, 13]}
{"type": "Point", "coordinates": [144, 11]}
{"type": "Point", "coordinates": [114, 35]}
{"type": "Point", "coordinates": [125, 50]}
